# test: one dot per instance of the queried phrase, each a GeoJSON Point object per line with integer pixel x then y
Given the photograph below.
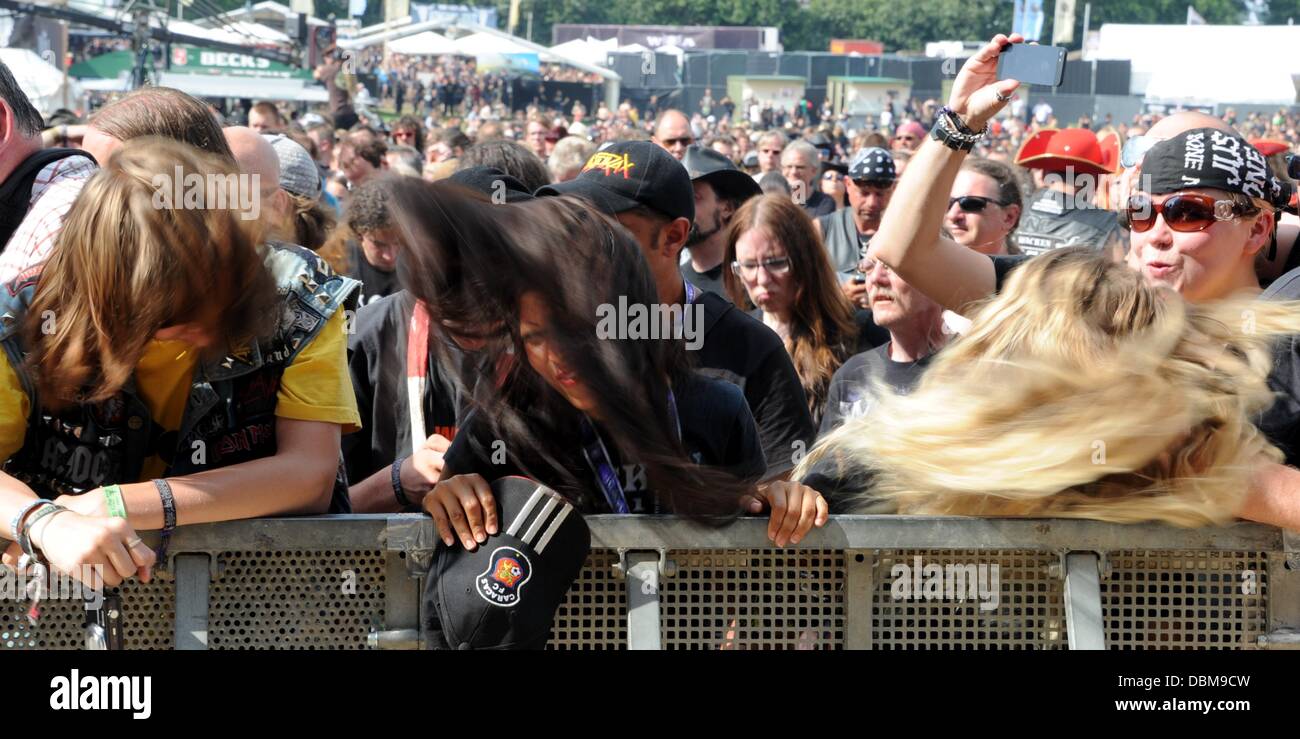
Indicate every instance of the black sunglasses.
{"type": "Point", "coordinates": [972, 203]}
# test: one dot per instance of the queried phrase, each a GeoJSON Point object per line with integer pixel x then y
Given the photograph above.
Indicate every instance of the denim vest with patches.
{"type": "Point", "coordinates": [229, 417]}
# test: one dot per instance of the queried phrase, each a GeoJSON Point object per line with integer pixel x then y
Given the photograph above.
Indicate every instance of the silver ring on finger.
{"type": "Point", "coordinates": [133, 542]}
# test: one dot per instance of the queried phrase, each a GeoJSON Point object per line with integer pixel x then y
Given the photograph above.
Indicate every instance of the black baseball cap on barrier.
{"type": "Point", "coordinates": [504, 594]}
{"type": "Point", "coordinates": [623, 175]}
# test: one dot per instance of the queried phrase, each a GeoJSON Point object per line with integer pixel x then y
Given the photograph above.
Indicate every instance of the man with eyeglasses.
{"type": "Point", "coordinates": [984, 207]}
{"type": "Point", "coordinates": [846, 232]}
{"type": "Point", "coordinates": [1068, 163]}
{"type": "Point", "coordinates": [673, 133]}
{"type": "Point", "coordinates": [800, 164]}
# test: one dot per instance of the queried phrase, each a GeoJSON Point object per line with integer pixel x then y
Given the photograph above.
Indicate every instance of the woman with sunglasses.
{"type": "Point", "coordinates": [615, 423]}
{"type": "Point", "coordinates": [780, 270]}
{"type": "Point", "coordinates": [1198, 241]}
{"type": "Point", "coordinates": [832, 184]}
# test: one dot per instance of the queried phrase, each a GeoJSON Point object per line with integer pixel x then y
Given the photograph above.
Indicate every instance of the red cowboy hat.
{"type": "Point", "coordinates": [1269, 147]}
{"type": "Point", "coordinates": [1055, 149]}
{"type": "Point", "coordinates": [1110, 147]}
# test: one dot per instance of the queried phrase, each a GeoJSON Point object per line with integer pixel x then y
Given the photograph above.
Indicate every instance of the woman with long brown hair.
{"type": "Point", "coordinates": [779, 265]}
{"type": "Point", "coordinates": [166, 368]}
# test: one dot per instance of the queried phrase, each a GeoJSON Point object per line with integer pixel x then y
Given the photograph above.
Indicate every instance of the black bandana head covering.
{"type": "Point", "coordinates": [1208, 157]}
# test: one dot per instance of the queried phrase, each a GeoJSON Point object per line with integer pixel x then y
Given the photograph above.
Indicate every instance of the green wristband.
{"type": "Point", "coordinates": [116, 506]}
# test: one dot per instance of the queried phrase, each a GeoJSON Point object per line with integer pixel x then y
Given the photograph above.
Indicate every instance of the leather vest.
{"type": "Point", "coordinates": [230, 414]}
{"type": "Point", "coordinates": [840, 235]}
{"type": "Point", "coordinates": [1048, 224]}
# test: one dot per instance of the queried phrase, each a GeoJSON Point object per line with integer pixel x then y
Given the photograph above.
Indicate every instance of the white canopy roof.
{"type": "Point", "coordinates": [1206, 62]}
{"type": "Point", "coordinates": [426, 43]}
{"type": "Point", "coordinates": [41, 81]}
{"type": "Point", "coordinates": [240, 32]}
{"type": "Point", "coordinates": [591, 50]}
{"type": "Point", "coordinates": [480, 43]}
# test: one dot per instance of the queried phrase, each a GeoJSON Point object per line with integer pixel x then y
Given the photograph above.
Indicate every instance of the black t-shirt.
{"type": "Point", "coordinates": [717, 430]}
{"type": "Point", "coordinates": [377, 362]}
{"type": "Point", "coordinates": [869, 335]}
{"type": "Point", "coordinates": [748, 354]}
{"type": "Point", "coordinates": [851, 393]}
{"type": "Point", "coordinates": [819, 204]}
{"type": "Point", "coordinates": [708, 281]}
{"type": "Point", "coordinates": [1281, 422]}
{"type": "Point", "coordinates": [375, 283]}
{"type": "Point", "coordinates": [1003, 264]}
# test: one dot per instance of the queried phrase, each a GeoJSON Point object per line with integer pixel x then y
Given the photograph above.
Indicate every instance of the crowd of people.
{"type": "Point", "coordinates": [914, 320]}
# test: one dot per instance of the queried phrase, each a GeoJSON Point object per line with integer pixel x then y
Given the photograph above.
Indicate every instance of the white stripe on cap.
{"type": "Point", "coordinates": [523, 512]}
{"type": "Point", "coordinates": [551, 503]}
{"type": "Point", "coordinates": [554, 527]}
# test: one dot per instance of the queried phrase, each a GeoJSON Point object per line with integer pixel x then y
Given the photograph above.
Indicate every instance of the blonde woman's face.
{"type": "Point", "coordinates": [1199, 265]}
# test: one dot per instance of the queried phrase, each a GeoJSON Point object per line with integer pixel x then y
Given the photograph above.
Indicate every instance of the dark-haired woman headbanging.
{"type": "Point", "coordinates": [542, 298]}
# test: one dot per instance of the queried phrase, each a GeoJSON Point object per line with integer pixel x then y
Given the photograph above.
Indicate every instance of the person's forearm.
{"type": "Point", "coordinates": [910, 229]}
{"type": "Point", "coordinates": [375, 494]}
{"type": "Point", "coordinates": [1274, 497]}
{"type": "Point", "coordinates": [14, 496]}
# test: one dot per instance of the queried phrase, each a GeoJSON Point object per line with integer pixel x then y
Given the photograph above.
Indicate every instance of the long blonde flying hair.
{"type": "Point", "coordinates": [1079, 392]}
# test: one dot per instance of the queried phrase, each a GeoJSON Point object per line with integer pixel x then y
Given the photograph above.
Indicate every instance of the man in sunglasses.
{"type": "Point", "coordinates": [770, 146]}
{"type": "Point", "coordinates": [673, 133]}
{"type": "Point", "coordinates": [846, 232]}
{"type": "Point", "coordinates": [1068, 163]}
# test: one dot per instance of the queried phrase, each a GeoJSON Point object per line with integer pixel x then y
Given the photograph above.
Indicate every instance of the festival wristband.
{"type": "Point", "coordinates": [113, 497]}
{"type": "Point", "coordinates": [16, 523]}
{"type": "Point", "coordinates": [169, 516]}
{"type": "Point", "coordinates": [398, 491]}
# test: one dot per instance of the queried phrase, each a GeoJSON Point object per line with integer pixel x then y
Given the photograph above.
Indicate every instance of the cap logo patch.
{"type": "Point", "coordinates": [502, 583]}
{"type": "Point", "coordinates": [611, 164]}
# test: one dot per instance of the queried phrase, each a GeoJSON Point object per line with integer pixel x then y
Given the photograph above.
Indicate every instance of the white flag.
{"type": "Point", "coordinates": [1194, 18]}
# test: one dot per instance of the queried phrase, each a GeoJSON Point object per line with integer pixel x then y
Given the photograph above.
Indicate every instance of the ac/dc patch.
{"type": "Point", "coordinates": [502, 583]}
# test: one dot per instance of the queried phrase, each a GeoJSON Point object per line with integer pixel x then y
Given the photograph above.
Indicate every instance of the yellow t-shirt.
{"type": "Point", "coordinates": [316, 387]}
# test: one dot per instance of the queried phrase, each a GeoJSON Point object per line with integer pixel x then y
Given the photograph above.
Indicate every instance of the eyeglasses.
{"type": "Point", "coordinates": [1135, 149]}
{"type": "Point", "coordinates": [683, 141]}
{"type": "Point", "coordinates": [1183, 213]}
{"type": "Point", "coordinates": [403, 134]}
{"type": "Point", "coordinates": [832, 177]}
{"type": "Point", "coordinates": [775, 266]}
{"type": "Point", "coordinates": [972, 203]}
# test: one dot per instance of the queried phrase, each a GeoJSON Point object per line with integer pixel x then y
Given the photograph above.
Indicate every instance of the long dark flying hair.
{"type": "Point", "coordinates": [470, 260]}
{"type": "Point", "coordinates": [822, 331]}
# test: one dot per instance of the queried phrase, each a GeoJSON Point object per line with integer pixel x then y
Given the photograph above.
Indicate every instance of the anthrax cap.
{"type": "Point", "coordinates": [503, 595]}
{"type": "Point", "coordinates": [622, 175]}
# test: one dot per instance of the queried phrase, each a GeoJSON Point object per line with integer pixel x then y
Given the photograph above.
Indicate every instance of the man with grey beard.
{"type": "Point", "coordinates": [720, 189]}
{"type": "Point", "coordinates": [916, 332]}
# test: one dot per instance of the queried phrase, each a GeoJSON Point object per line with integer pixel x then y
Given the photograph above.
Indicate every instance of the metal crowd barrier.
{"type": "Point", "coordinates": [354, 582]}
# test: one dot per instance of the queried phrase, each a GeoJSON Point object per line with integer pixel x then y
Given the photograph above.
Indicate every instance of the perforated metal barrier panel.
{"type": "Point", "coordinates": [296, 599]}
{"type": "Point", "coordinates": [1015, 601]}
{"type": "Point", "coordinates": [295, 584]}
{"type": "Point", "coordinates": [1185, 600]}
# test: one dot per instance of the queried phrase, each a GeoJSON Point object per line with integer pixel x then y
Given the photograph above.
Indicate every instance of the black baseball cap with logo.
{"type": "Point", "coordinates": [623, 175]}
{"type": "Point", "coordinates": [504, 594]}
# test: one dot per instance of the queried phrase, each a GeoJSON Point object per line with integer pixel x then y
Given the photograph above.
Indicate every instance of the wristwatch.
{"type": "Point", "coordinates": [950, 131]}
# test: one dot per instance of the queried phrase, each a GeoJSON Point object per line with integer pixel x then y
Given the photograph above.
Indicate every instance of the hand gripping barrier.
{"type": "Point", "coordinates": [862, 582]}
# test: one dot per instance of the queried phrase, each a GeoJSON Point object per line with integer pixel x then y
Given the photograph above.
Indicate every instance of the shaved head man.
{"type": "Point", "coordinates": [673, 133]}
{"type": "Point", "coordinates": [261, 165]}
